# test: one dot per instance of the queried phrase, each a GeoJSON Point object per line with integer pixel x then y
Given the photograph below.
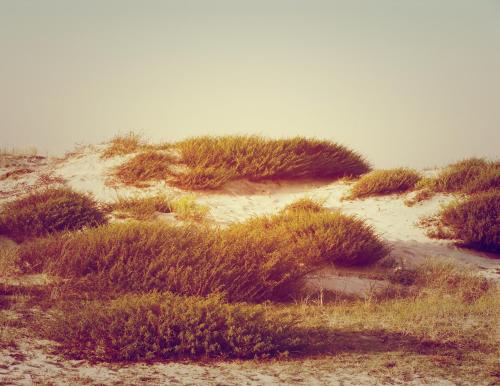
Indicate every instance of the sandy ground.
{"type": "Point", "coordinates": [85, 171]}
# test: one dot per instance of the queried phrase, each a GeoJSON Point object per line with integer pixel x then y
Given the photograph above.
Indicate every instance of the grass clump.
{"type": "Point", "coordinates": [123, 144]}
{"type": "Point", "coordinates": [141, 208]}
{"type": "Point", "coordinates": [381, 182]}
{"type": "Point", "coordinates": [167, 326]}
{"type": "Point", "coordinates": [257, 158]}
{"type": "Point", "coordinates": [47, 211]}
{"type": "Point", "coordinates": [315, 234]}
{"type": "Point", "coordinates": [150, 165]}
{"type": "Point", "coordinates": [472, 175]}
{"type": "Point", "coordinates": [475, 221]}
{"type": "Point", "coordinates": [210, 162]}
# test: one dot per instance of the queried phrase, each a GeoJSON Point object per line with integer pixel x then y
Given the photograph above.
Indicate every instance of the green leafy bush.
{"type": "Point", "coordinates": [47, 211]}
{"type": "Point", "coordinates": [166, 326]}
{"type": "Point", "coordinates": [475, 221]}
{"type": "Point", "coordinates": [381, 182]}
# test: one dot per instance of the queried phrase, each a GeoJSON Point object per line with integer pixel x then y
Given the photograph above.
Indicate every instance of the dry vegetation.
{"type": "Point", "coordinates": [381, 182]}
{"type": "Point", "coordinates": [47, 211]}
{"type": "Point", "coordinates": [475, 221]}
{"type": "Point", "coordinates": [141, 208]}
{"type": "Point", "coordinates": [210, 162]}
{"type": "Point", "coordinates": [124, 144]}
{"type": "Point", "coordinates": [260, 259]}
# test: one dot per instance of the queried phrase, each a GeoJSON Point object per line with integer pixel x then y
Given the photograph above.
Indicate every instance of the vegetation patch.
{"type": "Point", "coordinates": [381, 182]}
{"type": "Point", "coordinates": [256, 260]}
{"type": "Point", "coordinates": [124, 144]}
{"type": "Point", "coordinates": [167, 326]}
{"type": "Point", "coordinates": [472, 175]}
{"type": "Point", "coordinates": [47, 211]}
{"type": "Point", "coordinates": [210, 162]}
{"type": "Point", "coordinates": [141, 208]}
{"type": "Point", "coordinates": [475, 221]}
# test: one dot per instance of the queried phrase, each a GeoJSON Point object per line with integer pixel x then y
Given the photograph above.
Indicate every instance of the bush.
{"type": "Point", "coordinates": [382, 182]}
{"type": "Point", "coordinates": [47, 211]}
{"type": "Point", "coordinates": [475, 221]}
{"type": "Point", "coordinates": [166, 326]}
{"type": "Point", "coordinates": [468, 176]}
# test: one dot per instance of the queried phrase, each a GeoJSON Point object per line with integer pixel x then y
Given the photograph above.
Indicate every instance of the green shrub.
{"type": "Point", "coordinates": [166, 326]}
{"type": "Point", "coordinates": [468, 176]}
{"type": "Point", "coordinates": [47, 211]}
{"type": "Point", "coordinates": [475, 221]}
{"type": "Point", "coordinates": [381, 182]}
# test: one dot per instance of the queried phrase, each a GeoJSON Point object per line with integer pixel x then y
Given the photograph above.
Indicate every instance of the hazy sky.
{"type": "Point", "coordinates": [404, 82]}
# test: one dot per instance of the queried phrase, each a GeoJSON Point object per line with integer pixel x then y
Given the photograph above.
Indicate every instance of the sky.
{"type": "Point", "coordinates": [404, 82]}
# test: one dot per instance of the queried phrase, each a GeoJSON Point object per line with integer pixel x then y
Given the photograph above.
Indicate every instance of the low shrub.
{"type": "Point", "coordinates": [381, 182]}
{"type": "Point", "coordinates": [150, 165]}
{"type": "Point", "coordinates": [186, 208]}
{"type": "Point", "coordinates": [475, 221]}
{"type": "Point", "coordinates": [468, 176]}
{"type": "Point", "coordinates": [47, 211]}
{"type": "Point", "coordinates": [305, 204]}
{"type": "Point", "coordinates": [166, 326]}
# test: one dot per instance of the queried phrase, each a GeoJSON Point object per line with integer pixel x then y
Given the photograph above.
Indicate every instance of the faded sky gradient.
{"type": "Point", "coordinates": [404, 82]}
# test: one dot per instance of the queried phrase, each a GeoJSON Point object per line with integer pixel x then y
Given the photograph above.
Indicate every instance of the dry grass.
{"type": "Point", "coordinates": [382, 182]}
{"type": "Point", "coordinates": [124, 144]}
{"type": "Point", "coordinates": [49, 210]}
{"type": "Point", "coordinates": [186, 208]}
{"type": "Point", "coordinates": [472, 175]}
{"type": "Point", "coordinates": [145, 167]}
{"type": "Point", "coordinates": [210, 162]}
{"type": "Point", "coordinates": [141, 208]}
{"type": "Point", "coordinates": [474, 221]}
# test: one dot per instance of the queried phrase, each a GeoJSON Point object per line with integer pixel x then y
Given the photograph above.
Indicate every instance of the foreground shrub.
{"type": "Point", "coordinates": [185, 259]}
{"type": "Point", "coordinates": [380, 182]}
{"type": "Point", "coordinates": [475, 221]}
{"type": "Point", "coordinates": [468, 176]}
{"type": "Point", "coordinates": [47, 211]}
{"type": "Point", "coordinates": [260, 259]}
{"type": "Point", "coordinates": [166, 326]}
{"type": "Point", "coordinates": [256, 158]}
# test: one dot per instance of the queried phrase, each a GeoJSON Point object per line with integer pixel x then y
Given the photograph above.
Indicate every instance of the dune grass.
{"type": "Point", "coordinates": [475, 221]}
{"type": "Point", "coordinates": [210, 162]}
{"type": "Point", "coordinates": [123, 144]}
{"type": "Point", "coordinates": [260, 259]}
{"type": "Point", "coordinates": [471, 175]}
{"type": "Point", "coordinates": [141, 208]}
{"type": "Point", "coordinates": [50, 210]}
{"type": "Point", "coordinates": [382, 182]}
